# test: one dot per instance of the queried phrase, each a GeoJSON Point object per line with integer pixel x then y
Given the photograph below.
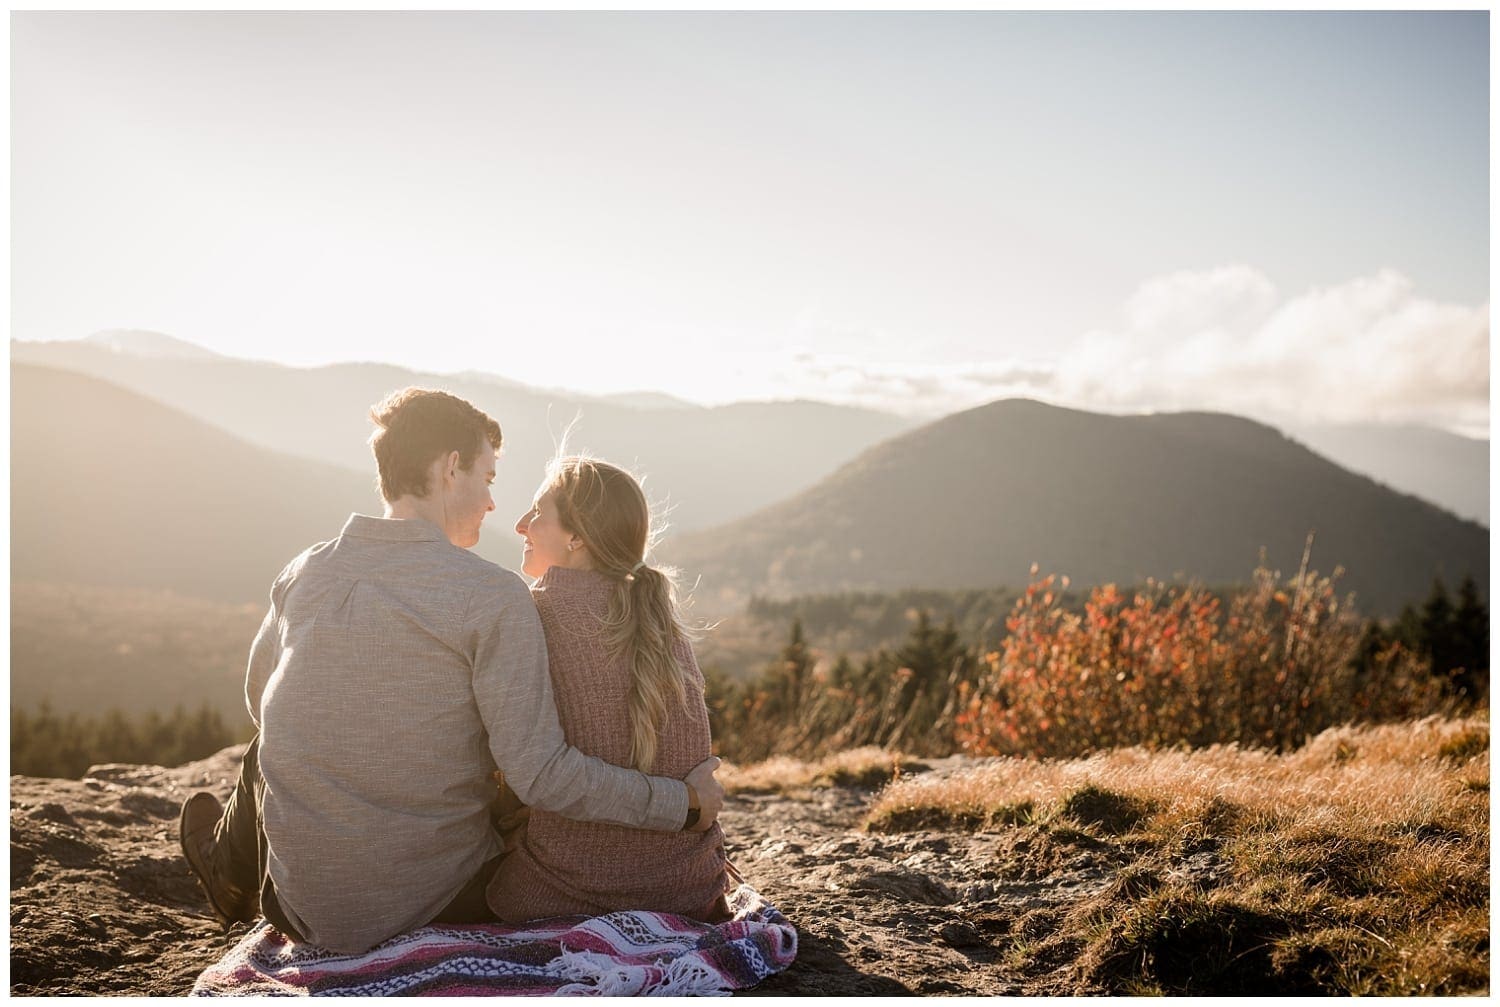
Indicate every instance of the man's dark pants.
{"type": "Point", "coordinates": [240, 846]}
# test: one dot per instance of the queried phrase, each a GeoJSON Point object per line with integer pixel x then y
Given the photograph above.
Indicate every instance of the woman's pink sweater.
{"type": "Point", "coordinates": [563, 867]}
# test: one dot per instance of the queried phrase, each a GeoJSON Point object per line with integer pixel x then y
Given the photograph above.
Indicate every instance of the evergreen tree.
{"type": "Point", "coordinates": [931, 653]}
{"type": "Point", "coordinates": [1471, 640]}
{"type": "Point", "coordinates": [1437, 630]}
{"type": "Point", "coordinates": [928, 666]}
{"type": "Point", "coordinates": [793, 669]}
{"type": "Point", "coordinates": [1408, 631]}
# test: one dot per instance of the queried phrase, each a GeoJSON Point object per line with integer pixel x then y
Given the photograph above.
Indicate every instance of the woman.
{"type": "Point", "coordinates": [628, 690]}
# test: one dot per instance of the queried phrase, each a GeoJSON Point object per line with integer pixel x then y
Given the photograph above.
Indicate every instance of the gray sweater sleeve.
{"type": "Point", "coordinates": [513, 690]}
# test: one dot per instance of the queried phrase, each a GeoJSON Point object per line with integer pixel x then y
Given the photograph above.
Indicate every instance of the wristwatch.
{"type": "Point", "coordinates": [693, 810]}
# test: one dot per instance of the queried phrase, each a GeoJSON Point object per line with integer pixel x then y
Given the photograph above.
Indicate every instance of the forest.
{"type": "Point", "coordinates": [1046, 671]}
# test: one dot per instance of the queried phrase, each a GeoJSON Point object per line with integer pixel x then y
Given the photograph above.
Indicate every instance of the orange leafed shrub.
{"type": "Point", "coordinates": [1170, 665]}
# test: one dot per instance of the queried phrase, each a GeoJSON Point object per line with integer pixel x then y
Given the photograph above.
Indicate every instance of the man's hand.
{"type": "Point", "coordinates": [710, 793]}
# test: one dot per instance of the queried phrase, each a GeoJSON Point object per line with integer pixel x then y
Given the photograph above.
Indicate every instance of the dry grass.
{"type": "Point", "coordinates": [1343, 776]}
{"type": "Point", "coordinates": [859, 767]}
{"type": "Point", "coordinates": [1358, 864]}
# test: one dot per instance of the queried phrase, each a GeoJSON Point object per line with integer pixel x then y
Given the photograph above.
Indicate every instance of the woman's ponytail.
{"type": "Point", "coordinates": [604, 505]}
{"type": "Point", "coordinates": [643, 626]}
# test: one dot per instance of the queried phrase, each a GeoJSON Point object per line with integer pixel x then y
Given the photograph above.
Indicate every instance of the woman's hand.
{"type": "Point", "coordinates": [709, 791]}
{"type": "Point", "coordinates": [508, 815]}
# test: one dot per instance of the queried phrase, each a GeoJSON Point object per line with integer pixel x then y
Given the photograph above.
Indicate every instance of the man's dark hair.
{"type": "Point", "coordinates": [416, 426]}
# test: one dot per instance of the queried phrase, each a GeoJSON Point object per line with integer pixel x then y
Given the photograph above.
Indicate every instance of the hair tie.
{"type": "Point", "coordinates": [637, 567]}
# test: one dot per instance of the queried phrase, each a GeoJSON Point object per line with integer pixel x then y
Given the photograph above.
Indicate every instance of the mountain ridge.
{"type": "Point", "coordinates": [1448, 469]}
{"type": "Point", "coordinates": [1099, 498]}
{"type": "Point", "coordinates": [710, 463]}
{"type": "Point", "coordinates": [149, 343]}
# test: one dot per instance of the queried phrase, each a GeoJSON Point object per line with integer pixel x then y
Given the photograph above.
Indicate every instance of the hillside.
{"type": "Point", "coordinates": [111, 489]}
{"type": "Point", "coordinates": [974, 499]}
{"type": "Point", "coordinates": [85, 649]}
{"type": "Point", "coordinates": [709, 464]}
{"type": "Point", "coordinates": [1435, 465]}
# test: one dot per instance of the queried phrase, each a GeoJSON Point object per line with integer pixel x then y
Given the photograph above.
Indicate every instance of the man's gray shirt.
{"type": "Point", "coordinates": [393, 673]}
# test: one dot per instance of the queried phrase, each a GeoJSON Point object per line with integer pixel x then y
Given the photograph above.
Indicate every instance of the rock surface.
{"type": "Point", "coordinates": [102, 902]}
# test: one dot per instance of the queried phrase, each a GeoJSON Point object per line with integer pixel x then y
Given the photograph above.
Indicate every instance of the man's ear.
{"type": "Point", "coordinates": [440, 472]}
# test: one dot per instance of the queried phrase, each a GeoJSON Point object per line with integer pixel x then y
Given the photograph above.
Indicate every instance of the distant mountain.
{"type": "Point", "coordinates": [709, 465]}
{"type": "Point", "coordinates": [647, 400]}
{"type": "Point", "coordinates": [1451, 471]}
{"type": "Point", "coordinates": [112, 489]}
{"type": "Point", "coordinates": [143, 343]}
{"type": "Point", "coordinates": [972, 500]}
{"type": "Point", "coordinates": [484, 378]}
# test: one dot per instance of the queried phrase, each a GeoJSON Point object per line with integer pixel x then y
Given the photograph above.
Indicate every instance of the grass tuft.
{"type": "Point", "coordinates": [1465, 746]}
{"type": "Point", "coordinates": [865, 768]}
{"type": "Point", "coordinates": [1109, 812]}
{"type": "Point", "coordinates": [1184, 943]}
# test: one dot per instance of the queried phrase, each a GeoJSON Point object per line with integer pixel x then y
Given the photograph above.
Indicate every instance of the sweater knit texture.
{"type": "Point", "coordinates": [564, 867]}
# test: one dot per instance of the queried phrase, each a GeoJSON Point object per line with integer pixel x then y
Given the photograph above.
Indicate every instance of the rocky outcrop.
{"type": "Point", "coordinates": [102, 902]}
{"type": "Point", "coordinates": [100, 898]}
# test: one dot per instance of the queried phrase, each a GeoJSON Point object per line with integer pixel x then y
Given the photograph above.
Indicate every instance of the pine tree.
{"type": "Point", "coordinates": [1471, 640]}
{"type": "Point", "coordinates": [928, 665]}
{"type": "Point", "coordinates": [1407, 630]}
{"type": "Point", "coordinates": [1372, 641]}
{"type": "Point", "coordinates": [930, 653]}
{"type": "Point", "coordinates": [1437, 630]}
{"type": "Point", "coordinates": [793, 669]}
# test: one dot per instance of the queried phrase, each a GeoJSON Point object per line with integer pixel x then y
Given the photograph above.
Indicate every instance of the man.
{"type": "Point", "coordinates": [393, 673]}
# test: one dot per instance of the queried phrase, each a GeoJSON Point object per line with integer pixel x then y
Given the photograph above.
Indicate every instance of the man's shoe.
{"type": "Point", "coordinates": [230, 903]}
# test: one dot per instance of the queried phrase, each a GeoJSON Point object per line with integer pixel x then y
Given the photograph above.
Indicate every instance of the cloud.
{"type": "Point", "coordinates": [912, 389]}
{"type": "Point", "coordinates": [1233, 298]}
{"type": "Point", "coordinates": [1368, 350]}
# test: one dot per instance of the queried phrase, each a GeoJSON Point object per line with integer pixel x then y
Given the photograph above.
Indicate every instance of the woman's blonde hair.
{"type": "Point", "coordinates": [605, 507]}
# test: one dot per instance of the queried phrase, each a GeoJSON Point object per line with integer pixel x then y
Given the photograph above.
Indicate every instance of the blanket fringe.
{"type": "Point", "coordinates": [595, 974]}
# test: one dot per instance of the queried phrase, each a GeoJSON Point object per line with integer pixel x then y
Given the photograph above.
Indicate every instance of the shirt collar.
{"type": "Point", "coordinates": [392, 529]}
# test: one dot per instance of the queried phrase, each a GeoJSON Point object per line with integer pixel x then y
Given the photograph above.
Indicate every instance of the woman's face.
{"type": "Point", "coordinates": [546, 540]}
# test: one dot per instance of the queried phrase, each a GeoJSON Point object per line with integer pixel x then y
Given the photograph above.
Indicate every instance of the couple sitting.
{"type": "Point", "coordinates": [395, 672]}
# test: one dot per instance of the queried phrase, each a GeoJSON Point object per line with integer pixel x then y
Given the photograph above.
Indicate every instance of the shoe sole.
{"type": "Point", "coordinates": [200, 870]}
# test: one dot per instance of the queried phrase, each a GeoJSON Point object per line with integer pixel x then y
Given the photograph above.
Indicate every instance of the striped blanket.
{"type": "Point", "coordinates": [621, 954]}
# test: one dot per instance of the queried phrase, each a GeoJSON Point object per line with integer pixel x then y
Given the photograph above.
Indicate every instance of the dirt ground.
{"type": "Point", "coordinates": [102, 902]}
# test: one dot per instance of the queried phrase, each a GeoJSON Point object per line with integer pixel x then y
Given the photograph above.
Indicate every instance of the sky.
{"type": "Point", "coordinates": [1284, 216]}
